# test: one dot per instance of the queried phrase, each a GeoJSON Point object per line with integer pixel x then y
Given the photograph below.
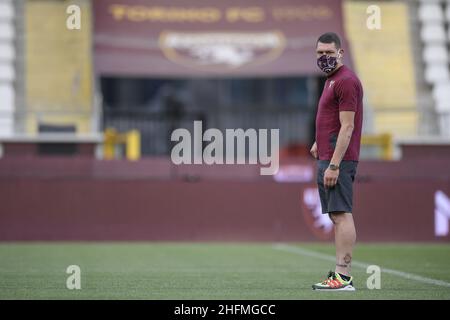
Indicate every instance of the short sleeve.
{"type": "Point", "coordinates": [347, 93]}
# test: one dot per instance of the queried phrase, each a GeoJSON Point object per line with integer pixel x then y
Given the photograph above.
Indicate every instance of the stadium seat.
{"type": "Point", "coordinates": [448, 33]}
{"type": "Point", "coordinates": [444, 124]}
{"type": "Point", "coordinates": [6, 125]}
{"type": "Point", "coordinates": [6, 10]}
{"type": "Point", "coordinates": [6, 31]}
{"type": "Point", "coordinates": [6, 96]}
{"type": "Point", "coordinates": [431, 12]}
{"type": "Point", "coordinates": [433, 33]}
{"type": "Point", "coordinates": [441, 95]}
{"type": "Point", "coordinates": [447, 11]}
{"type": "Point", "coordinates": [6, 52]}
{"type": "Point", "coordinates": [436, 72]}
{"type": "Point", "coordinates": [431, 1]}
{"type": "Point", "coordinates": [6, 72]}
{"type": "Point", "coordinates": [435, 53]}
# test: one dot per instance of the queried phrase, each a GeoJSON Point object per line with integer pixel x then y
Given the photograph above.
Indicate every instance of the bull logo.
{"type": "Point", "coordinates": [319, 224]}
{"type": "Point", "coordinates": [221, 51]}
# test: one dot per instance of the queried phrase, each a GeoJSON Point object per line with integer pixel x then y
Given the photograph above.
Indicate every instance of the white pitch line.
{"type": "Point", "coordinates": [405, 275]}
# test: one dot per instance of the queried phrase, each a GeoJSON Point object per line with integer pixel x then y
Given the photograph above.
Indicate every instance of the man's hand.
{"type": "Point", "coordinates": [330, 178]}
{"type": "Point", "coordinates": [313, 150]}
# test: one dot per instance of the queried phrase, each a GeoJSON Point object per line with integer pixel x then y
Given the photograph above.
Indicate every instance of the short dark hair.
{"type": "Point", "coordinates": [330, 37]}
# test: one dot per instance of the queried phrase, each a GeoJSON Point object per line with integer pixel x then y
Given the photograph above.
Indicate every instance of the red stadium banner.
{"type": "Point", "coordinates": [220, 38]}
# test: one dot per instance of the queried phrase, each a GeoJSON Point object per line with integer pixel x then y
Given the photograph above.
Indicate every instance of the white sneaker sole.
{"type": "Point", "coordinates": [346, 288]}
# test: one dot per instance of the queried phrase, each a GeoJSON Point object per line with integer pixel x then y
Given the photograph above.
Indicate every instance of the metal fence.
{"type": "Point", "coordinates": [295, 124]}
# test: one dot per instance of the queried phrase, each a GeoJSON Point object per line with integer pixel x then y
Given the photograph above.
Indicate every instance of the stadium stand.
{"type": "Point", "coordinates": [390, 93]}
{"type": "Point", "coordinates": [59, 76]}
{"type": "Point", "coordinates": [434, 18]}
{"type": "Point", "coordinates": [7, 70]}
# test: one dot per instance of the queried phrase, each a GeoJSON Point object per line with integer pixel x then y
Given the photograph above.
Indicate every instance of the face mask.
{"type": "Point", "coordinates": [326, 63]}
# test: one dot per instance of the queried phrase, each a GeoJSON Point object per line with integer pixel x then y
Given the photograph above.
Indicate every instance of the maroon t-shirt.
{"type": "Point", "coordinates": [342, 92]}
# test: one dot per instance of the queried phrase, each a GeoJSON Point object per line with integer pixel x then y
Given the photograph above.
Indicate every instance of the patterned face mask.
{"type": "Point", "coordinates": [327, 63]}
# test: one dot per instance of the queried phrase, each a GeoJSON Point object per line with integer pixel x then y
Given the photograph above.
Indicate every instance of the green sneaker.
{"type": "Point", "coordinates": [334, 282]}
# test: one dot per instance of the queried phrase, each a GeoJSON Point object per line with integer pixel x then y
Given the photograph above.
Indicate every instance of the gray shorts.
{"type": "Point", "coordinates": [339, 197]}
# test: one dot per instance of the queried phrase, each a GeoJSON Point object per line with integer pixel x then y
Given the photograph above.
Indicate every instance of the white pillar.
{"type": "Point", "coordinates": [7, 70]}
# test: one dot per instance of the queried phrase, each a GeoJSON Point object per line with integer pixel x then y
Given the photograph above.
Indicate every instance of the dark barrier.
{"type": "Point", "coordinates": [82, 199]}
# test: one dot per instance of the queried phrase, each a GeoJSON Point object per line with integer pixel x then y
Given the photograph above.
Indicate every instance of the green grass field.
{"type": "Point", "coordinates": [216, 270]}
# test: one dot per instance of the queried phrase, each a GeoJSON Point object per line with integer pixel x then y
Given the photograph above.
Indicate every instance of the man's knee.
{"type": "Point", "coordinates": [337, 216]}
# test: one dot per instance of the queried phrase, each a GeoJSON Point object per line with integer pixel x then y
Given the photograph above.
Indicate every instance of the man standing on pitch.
{"type": "Point", "coordinates": [338, 138]}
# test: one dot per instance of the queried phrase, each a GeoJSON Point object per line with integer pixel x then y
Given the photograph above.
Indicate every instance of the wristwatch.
{"type": "Point", "coordinates": [333, 167]}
